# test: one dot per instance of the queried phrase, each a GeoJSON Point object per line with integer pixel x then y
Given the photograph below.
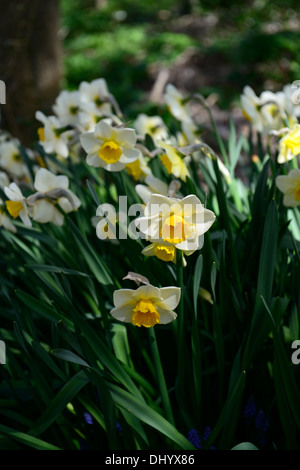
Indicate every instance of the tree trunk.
{"type": "Point", "coordinates": [30, 62]}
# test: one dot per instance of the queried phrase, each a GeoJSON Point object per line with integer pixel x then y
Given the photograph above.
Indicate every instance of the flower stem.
{"type": "Point", "coordinates": [160, 376]}
{"type": "Point", "coordinates": [181, 329]}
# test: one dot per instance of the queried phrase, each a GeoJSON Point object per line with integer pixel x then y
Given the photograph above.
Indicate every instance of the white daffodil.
{"type": "Point", "coordinates": [11, 159]}
{"type": "Point", "coordinates": [146, 306]}
{"type": "Point", "coordinates": [52, 190]}
{"type": "Point", "coordinates": [67, 107]}
{"type": "Point", "coordinates": [52, 137]}
{"type": "Point", "coordinates": [289, 109]}
{"type": "Point", "coordinates": [16, 204]}
{"type": "Point", "coordinates": [110, 147]}
{"type": "Point", "coordinates": [151, 125]}
{"type": "Point", "coordinates": [251, 105]}
{"type": "Point", "coordinates": [180, 222]}
{"type": "Point", "coordinates": [289, 185]}
{"type": "Point", "coordinates": [289, 145]}
{"type": "Point", "coordinates": [153, 186]}
{"type": "Point", "coordinates": [5, 220]}
{"type": "Point", "coordinates": [175, 102]}
{"type": "Point", "coordinates": [139, 168]}
{"type": "Point", "coordinates": [96, 92]}
{"type": "Point", "coordinates": [173, 162]}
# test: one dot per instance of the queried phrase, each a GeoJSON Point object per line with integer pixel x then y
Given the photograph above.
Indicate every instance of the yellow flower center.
{"type": "Point", "coordinates": [134, 169]}
{"type": "Point", "coordinates": [41, 134]}
{"type": "Point", "coordinates": [110, 152]}
{"type": "Point", "coordinates": [167, 163]}
{"type": "Point", "coordinates": [174, 229]}
{"type": "Point", "coordinates": [297, 193]}
{"type": "Point", "coordinates": [14, 208]}
{"type": "Point", "coordinates": [145, 314]}
{"type": "Point", "coordinates": [165, 253]}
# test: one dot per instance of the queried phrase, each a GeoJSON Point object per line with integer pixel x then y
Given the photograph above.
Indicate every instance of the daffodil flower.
{"type": "Point", "coordinates": [289, 185]}
{"type": "Point", "coordinates": [175, 102]}
{"type": "Point", "coordinates": [173, 162]}
{"type": "Point", "coordinates": [110, 147]}
{"type": "Point", "coordinates": [67, 107]}
{"type": "Point", "coordinates": [5, 220]}
{"type": "Point", "coordinates": [52, 190]}
{"type": "Point", "coordinates": [11, 159]}
{"type": "Point", "coordinates": [180, 222]}
{"type": "Point", "coordinates": [151, 125]}
{"type": "Point", "coordinates": [138, 169]}
{"type": "Point", "coordinates": [146, 306]}
{"type": "Point", "coordinates": [16, 204]}
{"type": "Point", "coordinates": [96, 92]}
{"type": "Point", "coordinates": [289, 145]}
{"type": "Point", "coordinates": [51, 137]}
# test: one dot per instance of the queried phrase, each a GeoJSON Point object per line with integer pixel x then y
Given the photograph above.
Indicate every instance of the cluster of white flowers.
{"type": "Point", "coordinates": [270, 111]}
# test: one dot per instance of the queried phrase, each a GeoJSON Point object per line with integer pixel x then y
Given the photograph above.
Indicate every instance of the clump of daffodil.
{"type": "Point", "coordinates": [174, 163]}
{"type": "Point", "coordinates": [111, 148]}
{"type": "Point", "coordinates": [289, 145]}
{"type": "Point", "coordinates": [289, 185]}
{"type": "Point", "coordinates": [16, 203]}
{"type": "Point", "coordinates": [146, 306]}
{"type": "Point", "coordinates": [179, 222]}
{"type": "Point", "coordinates": [52, 191]}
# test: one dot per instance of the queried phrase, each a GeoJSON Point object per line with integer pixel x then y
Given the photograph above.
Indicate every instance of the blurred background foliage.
{"type": "Point", "coordinates": [206, 46]}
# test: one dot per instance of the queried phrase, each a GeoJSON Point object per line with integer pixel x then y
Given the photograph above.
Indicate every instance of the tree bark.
{"type": "Point", "coordinates": [30, 62]}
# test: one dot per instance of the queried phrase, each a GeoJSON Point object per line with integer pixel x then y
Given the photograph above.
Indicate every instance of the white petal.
{"type": "Point", "coordinates": [148, 292]}
{"type": "Point", "coordinates": [13, 192]}
{"type": "Point", "coordinates": [118, 166]}
{"type": "Point", "coordinates": [166, 316]}
{"type": "Point", "coordinates": [123, 313]}
{"type": "Point", "coordinates": [124, 296]}
{"type": "Point", "coordinates": [44, 180]}
{"type": "Point", "coordinates": [126, 137]}
{"type": "Point", "coordinates": [94, 160]}
{"type": "Point", "coordinates": [129, 155]}
{"type": "Point", "coordinates": [171, 297]}
{"type": "Point", "coordinates": [89, 143]}
{"type": "Point", "coordinates": [43, 211]}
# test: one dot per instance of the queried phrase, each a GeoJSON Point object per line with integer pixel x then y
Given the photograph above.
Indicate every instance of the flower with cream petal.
{"type": "Point", "coordinates": [110, 147]}
{"type": "Point", "coordinates": [146, 306]}
{"type": "Point", "coordinates": [52, 190]}
{"type": "Point", "coordinates": [289, 145]}
{"type": "Point", "coordinates": [180, 222]}
{"type": "Point", "coordinates": [173, 162]}
{"type": "Point", "coordinates": [175, 102]}
{"type": "Point", "coordinates": [16, 204]}
{"type": "Point", "coordinates": [289, 185]}
{"type": "Point", "coordinates": [52, 137]}
{"type": "Point", "coordinates": [5, 219]}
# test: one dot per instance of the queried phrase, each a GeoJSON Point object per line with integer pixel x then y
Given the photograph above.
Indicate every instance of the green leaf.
{"type": "Point", "coordinates": [148, 416]}
{"type": "Point", "coordinates": [59, 403]}
{"type": "Point", "coordinates": [69, 356]}
{"type": "Point", "coordinates": [27, 439]}
{"type": "Point", "coordinates": [196, 281]}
